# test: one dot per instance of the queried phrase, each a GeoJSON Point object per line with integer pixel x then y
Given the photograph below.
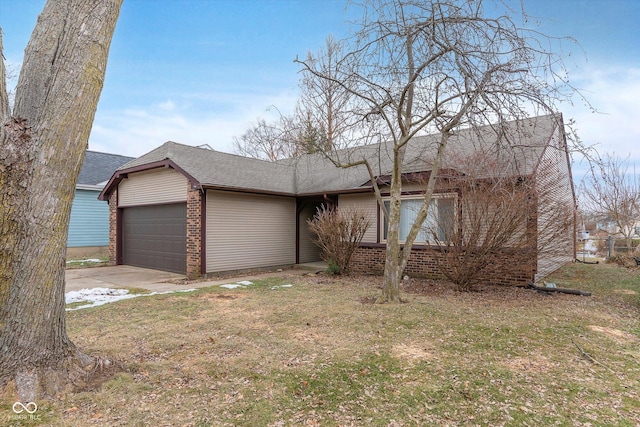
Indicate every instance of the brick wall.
{"type": "Point", "coordinates": [194, 236]}
{"type": "Point", "coordinates": [508, 267]}
{"type": "Point", "coordinates": [113, 227]}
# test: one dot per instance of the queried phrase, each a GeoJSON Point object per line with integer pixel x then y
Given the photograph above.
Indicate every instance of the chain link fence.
{"type": "Point", "coordinates": [606, 247]}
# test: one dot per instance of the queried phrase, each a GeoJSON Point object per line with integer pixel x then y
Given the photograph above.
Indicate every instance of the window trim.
{"type": "Point", "coordinates": [417, 196]}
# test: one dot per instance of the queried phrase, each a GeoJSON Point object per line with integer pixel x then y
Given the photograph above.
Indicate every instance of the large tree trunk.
{"type": "Point", "coordinates": [43, 147]}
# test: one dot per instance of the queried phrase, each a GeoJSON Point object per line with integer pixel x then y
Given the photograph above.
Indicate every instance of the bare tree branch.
{"type": "Point", "coordinates": [611, 191]}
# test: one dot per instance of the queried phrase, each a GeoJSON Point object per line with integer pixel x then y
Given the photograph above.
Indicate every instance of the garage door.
{"type": "Point", "coordinates": [155, 237]}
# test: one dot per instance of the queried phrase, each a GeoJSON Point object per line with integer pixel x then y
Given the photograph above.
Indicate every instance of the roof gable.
{"type": "Point", "coordinates": [212, 168]}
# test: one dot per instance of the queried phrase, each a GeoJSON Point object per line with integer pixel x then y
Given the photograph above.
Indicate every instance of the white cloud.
{"type": "Point", "coordinates": [613, 91]}
{"type": "Point", "coordinates": [194, 120]}
{"type": "Point", "coordinates": [168, 105]}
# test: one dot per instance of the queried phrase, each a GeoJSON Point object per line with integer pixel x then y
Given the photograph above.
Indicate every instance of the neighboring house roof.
{"type": "Point", "coordinates": [518, 144]}
{"type": "Point", "coordinates": [97, 167]}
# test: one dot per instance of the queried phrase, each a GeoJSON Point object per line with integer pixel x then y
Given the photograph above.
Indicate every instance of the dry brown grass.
{"type": "Point", "coordinates": [315, 354]}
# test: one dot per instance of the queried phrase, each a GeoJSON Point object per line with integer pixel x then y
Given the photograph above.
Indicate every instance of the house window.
{"type": "Point", "coordinates": [439, 221]}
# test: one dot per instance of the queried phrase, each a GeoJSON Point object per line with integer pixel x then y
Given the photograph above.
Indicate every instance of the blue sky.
{"type": "Point", "coordinates": [201, 71]}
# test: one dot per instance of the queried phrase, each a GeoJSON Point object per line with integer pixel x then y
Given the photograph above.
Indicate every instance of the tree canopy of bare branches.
{"type": "Point", "coordinates": [326, 101]}
{"type": "Point", "coordinates": [318, 123]}
{"type": "Point", "coordinates": [436, 66]}
{"type": "Point", "coordinates": [611, 192]}
{"type": "Point", "coordinates": [268, 140]}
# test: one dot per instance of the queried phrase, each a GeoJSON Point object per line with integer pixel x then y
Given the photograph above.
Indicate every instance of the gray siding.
{"type": "Point", "coordinates": [308, 250]}
{"type": "Point", "coordinates": [555, 206]}
{"type": "Point", "coordinates": [246, 231]}
{"type": "Point", "coordinates": [369, 206]}
{"type": "Point", "coordinates": [156, 186]}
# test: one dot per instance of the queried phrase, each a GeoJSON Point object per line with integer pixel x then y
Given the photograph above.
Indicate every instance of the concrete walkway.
{"type": "Point", "coordinates": [125, 276]}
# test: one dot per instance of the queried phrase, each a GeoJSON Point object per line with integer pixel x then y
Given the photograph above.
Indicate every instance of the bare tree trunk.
{"type": "Point", "coordinates": [42, 151]}
{"type": "Point", "coordinates": [393, 265]}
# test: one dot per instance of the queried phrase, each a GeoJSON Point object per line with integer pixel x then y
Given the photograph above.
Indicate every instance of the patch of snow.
{"type": "Point", "coordinates": [235, 285]}
{"type": "Point", "coordinates": [85, 260]}
{"type": "Point", "coordinates": [231, 286]}
{"type": "Point", "coordinates": [281, 286]}
{"type": "Point", "coordinates": [100, 296]}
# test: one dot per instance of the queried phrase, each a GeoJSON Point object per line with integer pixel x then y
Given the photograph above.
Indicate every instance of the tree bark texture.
{"type": "Point", "coordinates": [43, 147]}
{"type": "Point", "coordinates": [393, 266]}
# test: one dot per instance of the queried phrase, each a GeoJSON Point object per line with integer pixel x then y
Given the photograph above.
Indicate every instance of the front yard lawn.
{"type": "Point", "coordinates": [319, 353]}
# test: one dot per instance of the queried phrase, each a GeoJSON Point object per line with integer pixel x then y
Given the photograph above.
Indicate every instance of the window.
{"type": "Point", "coordinates": [439, 221]}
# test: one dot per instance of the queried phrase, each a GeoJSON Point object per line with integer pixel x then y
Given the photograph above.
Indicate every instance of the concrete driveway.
{"type": "Point", "coordinates": [126, 276]}
{"type": "Point", "coordinates": [121, 276]}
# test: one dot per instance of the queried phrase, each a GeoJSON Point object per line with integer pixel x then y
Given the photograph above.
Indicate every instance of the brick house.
{"type": "Point", "coordinates": [196, 211]}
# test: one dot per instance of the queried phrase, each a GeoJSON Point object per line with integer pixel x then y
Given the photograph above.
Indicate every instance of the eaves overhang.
{"type": "Point", "coordinates": [89, 187]}
{"type": "Point", "coordinates": [367, 189]}
{"type": "Point", "coordinates": [245, 190]}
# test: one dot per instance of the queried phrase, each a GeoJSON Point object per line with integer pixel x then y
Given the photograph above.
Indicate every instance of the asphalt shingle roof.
{"type": "Point", "coordinates": [97, 167]}
{"type": "Point", "coordinates": [313, 173]}
{"type": "Point", "coordinates": [218, 169]}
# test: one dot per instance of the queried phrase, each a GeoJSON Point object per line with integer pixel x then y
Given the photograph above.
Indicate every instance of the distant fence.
{"type": "Point", "coordinates": [606, 247]}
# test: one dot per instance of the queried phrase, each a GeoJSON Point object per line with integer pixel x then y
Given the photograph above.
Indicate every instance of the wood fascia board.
{"type": "Point", "coordinates": [362, 189]}
{"type": "Point", "coordinates": [416, 176]}
{"type": "Point", "coordinates": [245, 190]}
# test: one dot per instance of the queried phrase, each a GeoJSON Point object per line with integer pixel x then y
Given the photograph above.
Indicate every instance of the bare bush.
{"type": "Point", "coordinates": [626, 261]}
{"type": "Point", "coordinates": [493, 216]}
{"type": "Point", "coordinates": [338, 233]}
{"type": "Point", "coordinates": [501, 219]}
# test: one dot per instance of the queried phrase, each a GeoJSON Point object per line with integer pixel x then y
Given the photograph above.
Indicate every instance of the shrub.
{"type": "Point", "coordinates": [338, 233]}
{"type": "Point", "coordinates": [626, 261]}
{"type": "Point", "coordinates": [333, 268]}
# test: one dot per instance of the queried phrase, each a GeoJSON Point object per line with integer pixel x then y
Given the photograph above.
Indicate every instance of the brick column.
{"type": "Point", "coordinates": [194, 227]}
{"type": "Point", "coordinates": [113, 227]}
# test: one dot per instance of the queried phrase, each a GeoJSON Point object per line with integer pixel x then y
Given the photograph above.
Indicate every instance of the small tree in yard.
{"type": "Point", "coordinates": [435, 66]}
{"type": "Point", "coordinates": [43, 140]}
{"type": "Point", "coordinates": [338, 233]}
